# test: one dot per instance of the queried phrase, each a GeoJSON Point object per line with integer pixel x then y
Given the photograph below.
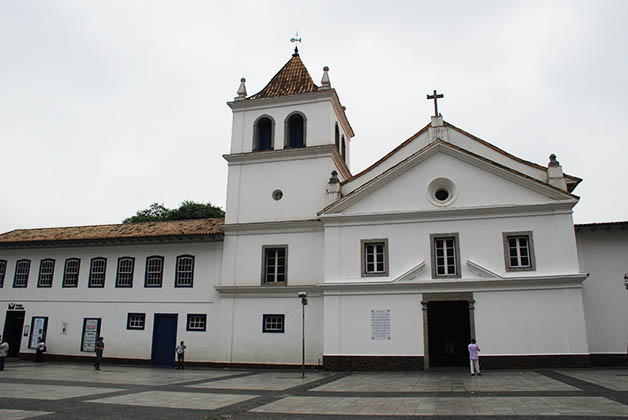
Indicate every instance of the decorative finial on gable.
{"type": "Point", "coordinates": [241, 90]}
{"type": "Point", "coordinates": [326, 84]}
{"type": "Point", "coordinates": [553, 162]}
{"type": "Point", "coordinates": [295, 39]}
{"type": "Point", "coordinates": [334, 178]}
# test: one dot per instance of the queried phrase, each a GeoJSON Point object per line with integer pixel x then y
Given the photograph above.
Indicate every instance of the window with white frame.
{"type": "Point", "coordinates": [46, 271]}
{"type": "Point", "coordinates": [185, 271]}
{"type": "Point", "coordinates": [274, 266]}
{"type": "Point", "coordinates": [154, 271]}
{"type": "Point", "coordinates": [273, 323]}
{"type": "Point", "coordinates": [22, 268]}
{"type": "Point", "coordinates": [519, 251]}
{"type": "Point", "coordinates": [374, 257]}
{"type": "Point", "coordinates": [3, 271]}
{"type": "Point", "coordinates": [445, 255]}
{"type": "Point", "coordinates": [124, 274]}
{"type": "Point", "coordinates": [197, 322]}
{"type": "Point", "coordinates": [97, 272]}
{"type": "Point", "coordinates": [71, 272]}
{"type": "Point", "coordinates": [135, 321]}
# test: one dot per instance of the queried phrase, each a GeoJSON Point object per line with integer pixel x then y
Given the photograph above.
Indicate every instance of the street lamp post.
{"type": "Point", "coordinates": [303, 296]}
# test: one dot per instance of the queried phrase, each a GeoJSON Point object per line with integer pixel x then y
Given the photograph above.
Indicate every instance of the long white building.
{"type": "Point", "coordinates": [444, 239]}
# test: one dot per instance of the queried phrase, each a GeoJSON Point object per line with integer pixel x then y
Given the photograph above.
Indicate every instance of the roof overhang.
{"type": "Point", "coordinates": [112, 241]}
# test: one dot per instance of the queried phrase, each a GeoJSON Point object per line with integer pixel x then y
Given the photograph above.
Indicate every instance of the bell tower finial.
{"type": "Point", "coordinates": [295, 39]}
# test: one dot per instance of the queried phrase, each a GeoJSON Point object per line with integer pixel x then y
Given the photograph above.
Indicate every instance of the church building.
{"type": "Point", "coordinates": [445, 239]}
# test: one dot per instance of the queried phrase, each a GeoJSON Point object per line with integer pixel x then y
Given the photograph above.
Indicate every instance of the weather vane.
{"type": "Point", "coordinates": [296, 39]}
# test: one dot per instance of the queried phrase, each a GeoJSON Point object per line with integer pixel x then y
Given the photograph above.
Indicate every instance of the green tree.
{"type": "Point", "coordinates": [187, 210]}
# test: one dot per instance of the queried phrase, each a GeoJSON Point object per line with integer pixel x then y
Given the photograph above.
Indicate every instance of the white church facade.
{"type": "Point", "coordinates": [444, 239]}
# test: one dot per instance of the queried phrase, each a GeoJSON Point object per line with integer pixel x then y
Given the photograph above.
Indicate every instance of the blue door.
{"type": "Point", "coordinates": [164, 339]}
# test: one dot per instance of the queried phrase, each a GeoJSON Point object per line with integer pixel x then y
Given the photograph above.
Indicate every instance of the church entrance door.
{"type": "Point", "coordinates": [449, 333]}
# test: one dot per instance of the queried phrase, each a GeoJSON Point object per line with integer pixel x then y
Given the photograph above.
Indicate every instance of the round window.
{"type": "Point", "coordinates": [441, 192]}
{"type": "Point", "coordinates": [277, 195]}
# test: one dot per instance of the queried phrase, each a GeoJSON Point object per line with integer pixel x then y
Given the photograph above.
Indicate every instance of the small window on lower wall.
{"type": "Point", "coordinates": [135, 321]}
{"type": "Point", "coordinates": [519, 251]}
{"type": "Point", "coordinates": [197, 322]}
{"type": "Point", "coordinates": [273, 323]}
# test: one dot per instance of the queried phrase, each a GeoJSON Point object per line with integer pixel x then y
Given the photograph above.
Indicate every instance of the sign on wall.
{"type": "Point", "coordinates": [39, 328]}
{"type": "Point", "coordinates": [91, 332]}
{"type": "Point", "coordinates": [380, 324]}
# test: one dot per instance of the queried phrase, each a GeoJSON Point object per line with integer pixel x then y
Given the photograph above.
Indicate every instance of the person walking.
{"type": "Point", "coordinates": [41, 348]}
{"type": "Point", "coordinates": [4, 350]}
{"type": "Point", "coordinates": [180, 349]}
{"type": "Point", "coordinates": [474, 358]}
{"type": "Point", "coordinates": [100, 348]}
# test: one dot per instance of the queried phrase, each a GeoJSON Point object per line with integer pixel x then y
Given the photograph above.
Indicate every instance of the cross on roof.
{"type": "Point", "coordinates": [436, 97]}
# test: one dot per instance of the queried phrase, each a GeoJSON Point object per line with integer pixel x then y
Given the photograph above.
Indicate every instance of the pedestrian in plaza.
{"type": "Point", "coordinates": [41, 348]}
{"type": "Point", "coordinates": [180, 349]}
{"type": "Point", "coordinates": [4, 350]}
{"type": "Point", "coordinates": [100, 348]}
{"type": "Point", "coordinates": [474, 358]}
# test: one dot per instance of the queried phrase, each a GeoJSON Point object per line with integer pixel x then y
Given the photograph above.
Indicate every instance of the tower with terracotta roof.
{"type": "Point", "coordinates": [286, 141]}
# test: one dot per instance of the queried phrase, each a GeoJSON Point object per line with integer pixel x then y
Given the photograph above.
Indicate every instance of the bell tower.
{"type": "Point", "coordinates": [286, 140]}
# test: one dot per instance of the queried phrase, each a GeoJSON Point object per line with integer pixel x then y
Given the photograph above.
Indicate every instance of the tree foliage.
{"type": "Point", "coordinates": [187, 210]}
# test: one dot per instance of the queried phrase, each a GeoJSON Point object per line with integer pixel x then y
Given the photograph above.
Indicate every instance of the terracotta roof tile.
{"type": "Point", "coordinates": [193, 227]}
{"type": "Point", "coordinates": [292, 79]}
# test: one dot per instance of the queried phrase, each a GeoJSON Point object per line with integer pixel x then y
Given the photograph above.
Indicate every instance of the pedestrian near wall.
{"type": "Point", "coordinates": [41, 348]}
{"type": "Point", "coordinates": [100, 348]}
{"type": "Point", "coordinates": [474, 358]}
{"type": "Point", "coordinates": [180, 349]}
{"type": "Point", "coordinates": [4, 350]}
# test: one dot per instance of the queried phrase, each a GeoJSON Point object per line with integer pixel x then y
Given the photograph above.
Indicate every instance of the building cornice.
{"type": "Point", "coordinates": [310, 152]}
{"type": "Point", "coordinates": [290, 226]}
{"type": "Point", "coordinates": [449, 214]}
{"type": "Point", "coordinates": [560, 281]}
{"type": "Point", "coordinates": [269, 291]}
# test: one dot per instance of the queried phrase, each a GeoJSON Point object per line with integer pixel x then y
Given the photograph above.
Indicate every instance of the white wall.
{"type": "Point", "coordinates": [521, 322]}
{"type": "Point", "coordinates": [603, 253]}
{"type": "Point", "coordinates": [348, 324]}
{"type": "Point", "coordinates": [480, 240]}
{"type": "Point", "coordinates": [72, 305]}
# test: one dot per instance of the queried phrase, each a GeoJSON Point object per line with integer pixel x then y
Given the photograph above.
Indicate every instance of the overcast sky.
{"type": "Point", "coordinates": [109, 106]}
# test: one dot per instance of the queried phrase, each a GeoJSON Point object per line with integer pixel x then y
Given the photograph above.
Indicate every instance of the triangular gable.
{"type": "Point", "coordinates": [456, 137]}
{"type": "Point", "coordinates": [532, 184]}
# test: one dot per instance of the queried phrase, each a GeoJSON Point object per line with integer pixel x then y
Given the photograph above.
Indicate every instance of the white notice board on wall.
{"type": "Point", "coordinates": [380, 324]}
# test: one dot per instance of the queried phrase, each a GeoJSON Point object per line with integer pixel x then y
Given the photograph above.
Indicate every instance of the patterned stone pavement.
{"type": "Point", "coordinates": [75, 391]}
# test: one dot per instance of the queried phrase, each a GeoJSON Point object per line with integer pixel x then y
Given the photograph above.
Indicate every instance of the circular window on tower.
{"type": "Point", "coordinates": [277, 195]}
{"type": "Point", "coordinates": [441, 192]}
